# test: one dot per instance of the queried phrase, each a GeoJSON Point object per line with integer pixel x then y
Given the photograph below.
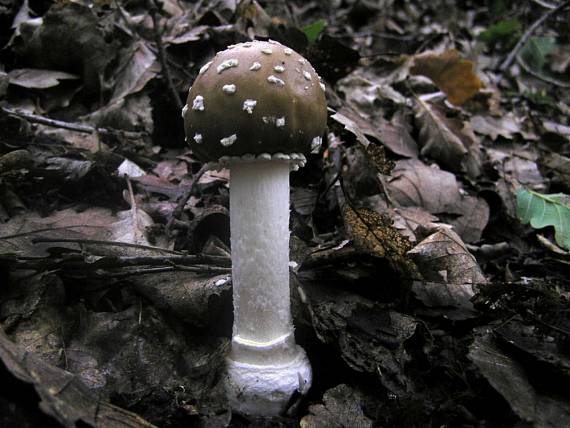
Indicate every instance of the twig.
{"type": "Point", "coordinates": [153, 270]}
{"type": "Point", "coordinates": [185, 197]}
{"type": "Point", "coordinates": [162, 55]}
{"type": "Point", "coordinates": [101, 242]}
{"type": "Point", "coordinates": [512, 55]}
{"type": "Point", "coordinates": [77, 127]}
{"type": "Point", "coordinates": [78, 260]}
{"type": "Point", "coordinates": [544, 4]}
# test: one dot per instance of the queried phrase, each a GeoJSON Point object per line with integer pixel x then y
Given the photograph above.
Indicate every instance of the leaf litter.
{"type": "Point", "coordinates": [424, 293]}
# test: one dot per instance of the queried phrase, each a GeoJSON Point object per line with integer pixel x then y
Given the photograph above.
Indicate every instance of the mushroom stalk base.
{"type": "Point", "coordinates": [267, 390]}
{"type": "Point", "coordinates": [265, 368]}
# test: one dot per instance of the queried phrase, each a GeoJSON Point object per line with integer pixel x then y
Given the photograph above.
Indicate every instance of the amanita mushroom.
{"type": "Point", "coordinates": [256, 108]}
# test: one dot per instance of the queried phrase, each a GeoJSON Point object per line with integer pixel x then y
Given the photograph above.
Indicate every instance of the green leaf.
{"type": "Point", "coordinates": [535, 51]}
{"type": "Point", "coordinates": [546, 210]}
{"type": "Point", "coordinates": [506, 30]}
{"type": "Point", "coordinates": [313, 30]}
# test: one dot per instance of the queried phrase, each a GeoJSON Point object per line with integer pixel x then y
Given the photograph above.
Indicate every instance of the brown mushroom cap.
{"type": "Point", "coordinates": [253, 98]}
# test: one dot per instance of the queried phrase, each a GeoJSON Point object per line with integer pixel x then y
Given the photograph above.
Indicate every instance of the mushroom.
{"type": "Point", "coordinates": [255, 111]}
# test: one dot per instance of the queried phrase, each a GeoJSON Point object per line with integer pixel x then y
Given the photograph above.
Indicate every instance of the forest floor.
{"type": "Point", "coordinates": [430, 234]}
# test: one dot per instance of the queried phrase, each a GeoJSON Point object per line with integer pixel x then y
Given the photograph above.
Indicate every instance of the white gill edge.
{"type": "Point", "coordinates": [296, 160]}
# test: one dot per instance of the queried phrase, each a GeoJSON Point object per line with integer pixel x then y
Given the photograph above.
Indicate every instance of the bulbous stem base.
{"type": "Point", "coordinates": [267, 390]}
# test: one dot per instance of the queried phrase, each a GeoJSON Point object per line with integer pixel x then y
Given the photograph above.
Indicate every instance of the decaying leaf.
{"type": "Point", "coordinates": [19, 233]}
{"type": "Point", "coordinates": [340, 408]}
{"type": "Point", "coordinates": [70, 39]}
{"type": "Point", "coordinates": [34, 78]}
{"type": "Point", "coordinates": [63, 395]}
{"type": "Point", "coordinates": [375, 234]}
{"type": "Point", "coordinates": [443, 257]}
{"type": "Point", "coordinates": [377, 156]}
{"type": "Point", "coordinates": [505, 127]}
{"type": "Point", "coordinates": [558, 166]}
{"type": "Point", "coordinates": [370, 339]}
{"type": "Point", "coordinates": [449, 141]}
{"type": "Point", "coordinates": [414, 184]}
{"type": "Point", "coordinates": [510, 379]}
{"type": "Point", "coordinates": [452, 74]}
{"type": "Point", "coordinates": [136, 70]}
{"type": "Point", "coordinates": [450, 272]}
{"type": "Point", "coordinates": [349, 120]}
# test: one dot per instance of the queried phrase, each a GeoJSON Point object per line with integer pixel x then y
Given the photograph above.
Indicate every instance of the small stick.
{"type": "Point", "coordinates": [116, 262]}
{"type": "Point", "coordinates": [162, 55]}
{"type": "Point", "coordinates": [77, 127]}
{"type": "Point", "coordinates": [185, 197]}
{"type": "Point", "coordinates": [102, 242]}
{"type": "Point", "coordinates": [512, 55]}
{"type": "Point", "coordinates": [153, 270]}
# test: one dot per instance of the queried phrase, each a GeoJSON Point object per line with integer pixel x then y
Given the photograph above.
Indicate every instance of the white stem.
{"type": "Point", "coordinates": [265, 366]}
{"type": "Point", "coordinates": [259, 207]}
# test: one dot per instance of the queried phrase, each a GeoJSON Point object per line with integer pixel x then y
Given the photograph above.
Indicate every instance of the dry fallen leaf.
{"type": "Point", "coordinates": [340, 408]}
{"type": "Point", "coordinates": [414, 184]}
{"type": "Point", "coordinates": [62, 394]}
{"type": "Point", "coordinates": [375, 234]}
{"type": "Point", "coordinates": [452, 74]}
{"type": "Point", "coordinates": [505, 126]}
{"type": "Point", "coordinates": [450, 272]}
{"type": "Point", "coordinates": [443, 257]}
{"type": "Point", "coordinates": [447, 140]}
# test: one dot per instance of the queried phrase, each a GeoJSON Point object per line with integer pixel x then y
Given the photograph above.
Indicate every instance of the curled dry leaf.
{"type": "Point", "coordinates": [19, 233]}
{"type": "Point", "coordinates": [136, 70]}
{"type": "Point", "coordinates": [33, 78]}
{"type": "Point", "coordinates": [375, 234]}
{"type": "Point", "coordinates": [505, 126]}
{"type": "Point", "coordinates": [448, 141]}
{"type": "Point", "coordinates": [452, 74]}
{"type": "Point", "coordinates": [354, 124]}
{"type": "Point", "coordinates": [340, 408]}
{"type": "Point", "coordinates": [63, 395]}
{"type": "Point", "coordinates": [558, 166]}
{"type": "Point", "coordinates": [369, 338]}
{"type": "Point", "coordinates": [517, 385]}
{"type": "Point", "coordinates": [69, 37]}
{"type": "Point", "coordinates": [442, 256]}
{"type": "Point", "coordinates": [414, 184]}
{"type": "Point", "coordinates": [365, 98]}
{"type": "Point", "coordinates": [450, 272]}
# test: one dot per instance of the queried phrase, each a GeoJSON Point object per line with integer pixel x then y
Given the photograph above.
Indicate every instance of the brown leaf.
{"type": "Point", "coordinates": [449, 141]}
{"type": "Point", "coordinates": [414, 184]}
{"type": "Point", "coordinates": [450, 272]}
{"type": "Point", "coordinates": [355, 124]}
{"type": "Point", "coordinates": [375, 234]}
{"type": "Point", "coordinates": [377, 155]}
{"type": "Point", "coordinates": [452, 74]}
{"type": "Point", "coordinates": [395, 135]}
{"type": "Point", "coordinates": [70, 37]}
{"type": "Point", "coordinates": [340, 408]}
{"type": "Point", "coordinates": [443, 257]}
{"type": "Point", "coordinates": [38, 79]}
{"type": "Point", "coordinates": [135, 70]}
{"type": "Point", "coordinates": [505, 126]}
{"type": "Point", "coordinates": [63, 395]}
